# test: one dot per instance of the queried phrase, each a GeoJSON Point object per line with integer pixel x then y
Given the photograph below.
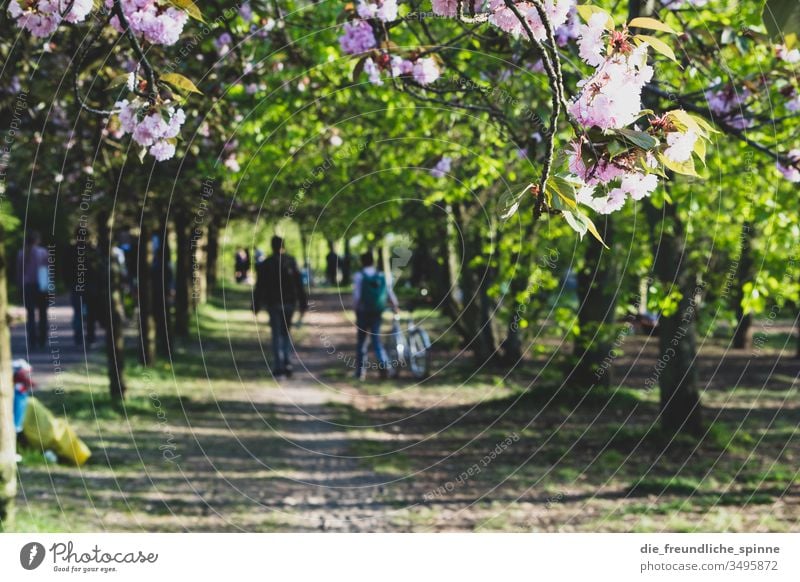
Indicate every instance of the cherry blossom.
{"type": "Point", "coordinates": [442, 167]}
{"type": "Point", "coordinates": [612, 97]}
{"type": "Point", "coordinates": [425, 71]}
{"type": "Point", "coordinates": [505, 19]}
{"type": "Point", "coordinates": [789, 56]}
{"type": "Point", "coordinates": [791, 173]}
{"type": "Point", "coordinates": [591, 45]}
{"type": "Point", "coordinates": [155, 23]}
{"type": "Point", "coordinates": [384, 10]}
{"type": "Point", "coordinates": [42, 17]}
{"type": "Point", "coordinates": [151, 127]}
{"type": "Point", "coordinates": [450, 7]}
{"type": "Point", "coordinates": [681, 145]}
{"type": "Point", "coordinates": [358, 37]}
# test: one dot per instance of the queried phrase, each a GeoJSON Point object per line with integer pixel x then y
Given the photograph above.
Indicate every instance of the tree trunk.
{"type": "Point", "coordinates": [477, 306]}
{"type": "Point", "coordinates": [598, 281]}
{"type": "Point", "coordinates": [347, 263]}
{"type": "Point", "coordinates": [114, 311]}
{"type": "Point", "coordinates": [680, 410]}
{"type": "Point", "coordinates": [742, 335]}
{"type": "Point", "coordinates": [147, 324]}
{"type": "Point", "coordinates": [212, 255]}
{"type": "Point", "coordinates": [183, 273]}
{"type": "Point", "coordinates": [161, 294]}
{"type": "Point", "coordinates": [8, 436]}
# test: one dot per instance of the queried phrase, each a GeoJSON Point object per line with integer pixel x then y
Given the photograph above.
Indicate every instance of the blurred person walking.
{"type": "Point", "coordinates": [33, 279]}
{"type": "Point", "coordinates": [280, 290]}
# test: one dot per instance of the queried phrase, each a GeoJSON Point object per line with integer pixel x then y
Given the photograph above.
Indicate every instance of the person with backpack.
{"type": "Point", "coordinates": [370, 294]}
{"type": "Point", "coordinates": [280, 290]}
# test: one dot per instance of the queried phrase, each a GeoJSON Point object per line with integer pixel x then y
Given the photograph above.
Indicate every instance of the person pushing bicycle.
{"type": "Point", "coordinates": [371, 291]}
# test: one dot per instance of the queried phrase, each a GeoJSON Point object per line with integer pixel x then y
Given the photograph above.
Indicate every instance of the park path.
{"type": "Point", "coordinates": [61, 353]}
{"type": "Point", "coordinates": [257, 455]}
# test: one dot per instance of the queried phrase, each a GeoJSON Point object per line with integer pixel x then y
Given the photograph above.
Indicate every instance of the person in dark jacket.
{"type": "Point", "coordinates": [280, 290]}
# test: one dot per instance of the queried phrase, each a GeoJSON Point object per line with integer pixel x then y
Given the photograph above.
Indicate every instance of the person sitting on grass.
{"type": "Point", "coordinates": [280, 289]}
{"type": "Point", "coordinates": [370, 293]}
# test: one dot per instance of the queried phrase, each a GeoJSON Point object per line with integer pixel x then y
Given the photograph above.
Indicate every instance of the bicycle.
{"type": "Point", "coordinates": [411, 348]}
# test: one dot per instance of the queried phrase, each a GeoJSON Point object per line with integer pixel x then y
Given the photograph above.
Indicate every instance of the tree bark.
{"type": "Point", "coordinates": [114, 311]}
{"type": "Point", "coordinates": [183, 273]}
{"type": "Point", "coordinates": [476, 278]}
{"type": "Point", "coordinates": [8, 436]}
{"type": "Point", "coordinates": [147, 324]}
{"type": "Point", "coordinates": [598, 281]}
{"type": "Point", "coordinates": [742, 335]}
{"type": "Point", "coordinates": [212, 255]}
{"type": "Point", "coordinates": [680, 409]}
{"type": "Point", "coordinates": [161, 294]}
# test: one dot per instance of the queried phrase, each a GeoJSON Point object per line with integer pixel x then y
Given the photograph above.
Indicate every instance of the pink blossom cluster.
{"type": "Point", "coordinates": [791, 173]}
{"type": "Point", "coordinates": [154, 22]}
{"type": "Point", "coordinates": [504, 18]}
{"type": "Point", "coordinates": [789, 56]}
{"type": "Point", "coordinates": [154, 130]}
{"type": "Point", "coordinates": [424, 70]}
{"type": "Point", "coordinates": [358, 37]}
{"type": "Point", "coordinates": [442, 167]}
{"type": "Point", "coordinates": [383, 10]}
{"type": "Point", "coordinates": [628, 182]}
{"type": "Point", "coordinates": [612, 97]}
{"type": "Point", "coordinates": [449, 8]}
{"type": "Point", "coordinates": [728, 105]}
{"type": "Point", "coordinates": [42, 17]}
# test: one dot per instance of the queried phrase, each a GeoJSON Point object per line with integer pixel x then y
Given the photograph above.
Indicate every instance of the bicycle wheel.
{"type": "Point", "coordinates": [419, 353]}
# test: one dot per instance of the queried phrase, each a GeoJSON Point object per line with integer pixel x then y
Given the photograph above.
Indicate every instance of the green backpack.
{"type": "Point", "coordinates": [373, 293]}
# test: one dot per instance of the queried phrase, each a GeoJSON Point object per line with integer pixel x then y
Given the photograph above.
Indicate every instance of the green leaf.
{"type": "Point", "coordinates": [563, 190]}
{"type": "Point", "coordinates": [117, 81]}
{"type": "Point", "coordinates": [582, 224]}
{"type": "Point", "coordinates": [587, 10]}
{"type": "Point", "coordinates": [651, 24]}
{"type": "Point", "coordinates": [178, 81]}
{"type": "Point", "coordinates": [782, 18]}
{"type": "Point", "coordinates": [189, 7]}
{"type": "Point", "coordinates": [509, 203]}
{"type": "Point", "coordinates": [638, 138]}
{"type": "Point", "coordinates": [658, 45]}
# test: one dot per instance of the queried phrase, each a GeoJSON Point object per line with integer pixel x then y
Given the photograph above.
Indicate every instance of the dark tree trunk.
{"type": "Point", "coordinates": [347, 263]}
{"type": "Point", "coordinates": [212, 255]}
{"type": "Point", "coordinates": [183, 273]}
{"type": "Point", "coordinates": [476, 277]}
{"type": "Point", "coordinates": [742, 335]}
{"type": "Point", "coordinates": [681, 411]}
{"type": "Point", "coordinates": [519, 292]}
{"type": "Point", "coordinates": [114, 311]}
{"type": "Point", "coordinates": [147, 325]}
{"type": "Point", "coordinates": [8, 436]}
{"type": "Point", "coordinates": [161, 294]}
{"type": "Point", "coordinates": [598, 282]}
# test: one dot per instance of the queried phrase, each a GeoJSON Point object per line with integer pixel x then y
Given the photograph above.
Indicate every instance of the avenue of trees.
{"type": "Point", "coordinates": [456, 127]}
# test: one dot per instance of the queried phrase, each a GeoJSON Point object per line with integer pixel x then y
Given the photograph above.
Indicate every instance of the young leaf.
{"type": "Point", "coordinates": [587, 10]}
{"type": "Point", "coordinates": [582, 224]}
{"type": "Point", "coordinates": [189, 7]}
{"type": "Point", "coordinates": [178, 81]}
{"type": "Point", "coordinates": [658, 45]}
{"type": "Point", "coordinates": [650, 24]}
{"type": "Point", "coordinates": [685, 168]}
